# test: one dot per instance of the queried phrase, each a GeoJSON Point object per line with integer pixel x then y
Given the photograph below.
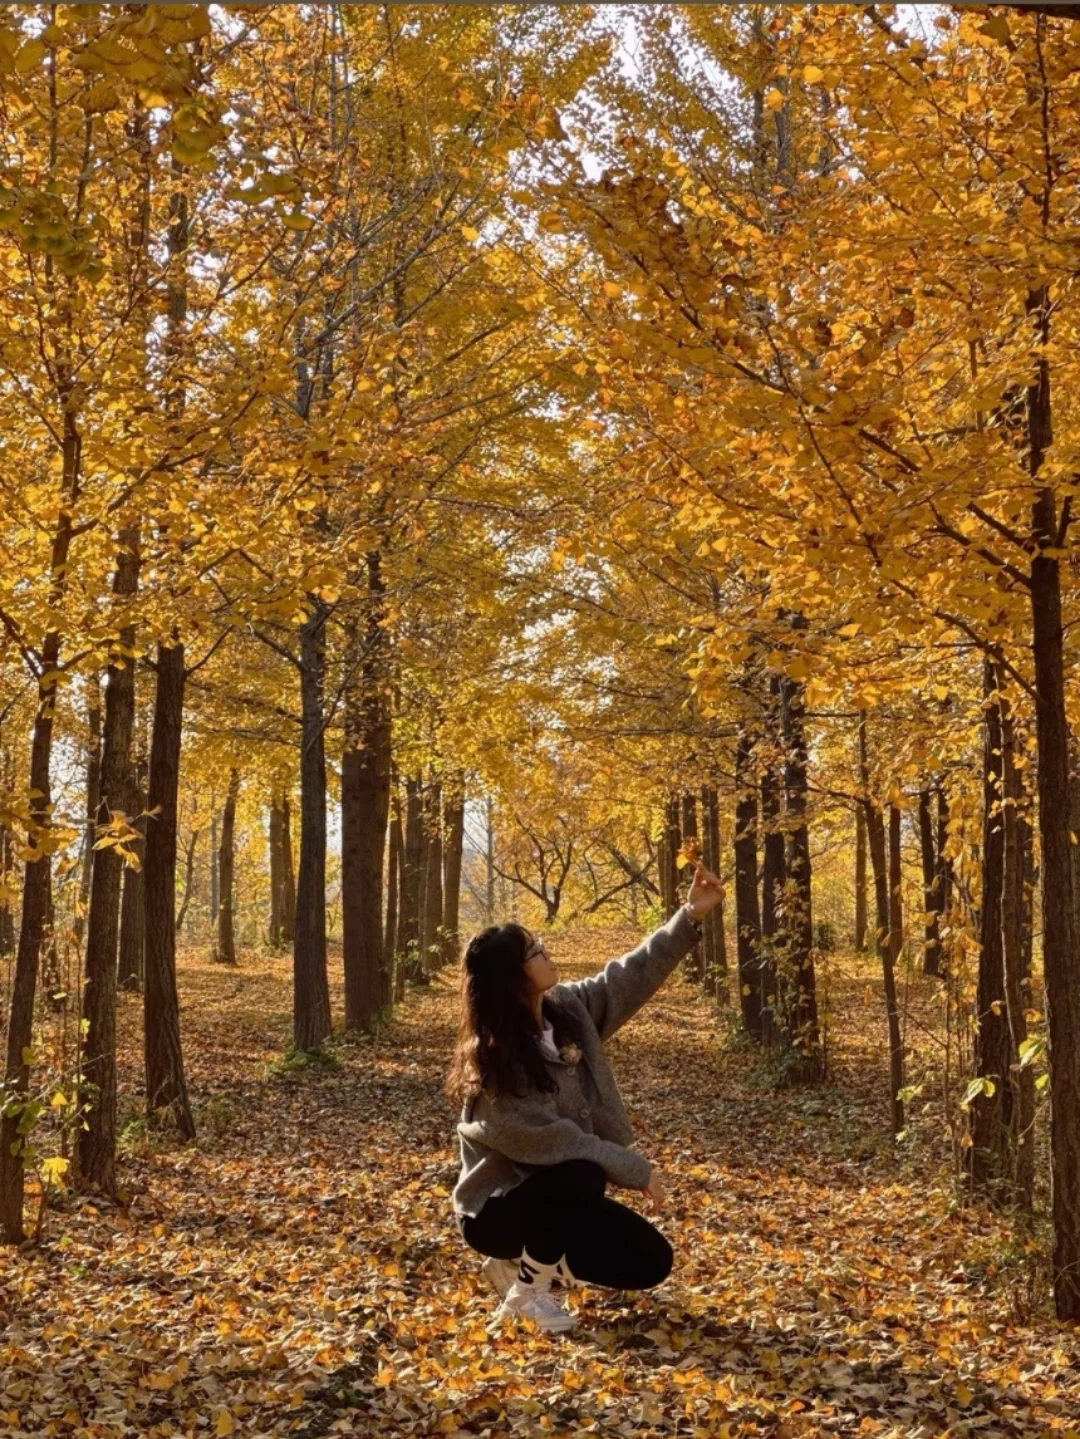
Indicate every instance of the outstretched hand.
{"type": "Point", "coordinates": [705, 891]}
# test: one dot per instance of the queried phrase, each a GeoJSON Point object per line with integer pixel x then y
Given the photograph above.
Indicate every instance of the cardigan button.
{"type": "Point", "coordinates": [584, 1111]}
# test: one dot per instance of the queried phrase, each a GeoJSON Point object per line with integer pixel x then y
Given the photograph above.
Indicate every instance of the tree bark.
{"type": "Point", "coordinates": [1061, 963]}
{"type": "Point", "coordinates": [365, 804]}
{"type": "Point", "coordinates": [166, 1084]}
{"type": "Point", "coordinates": [189, 880]}
{"type": "Point", "coordinates": [945, 868]}
{"type": "Point", "coordinates": [879, 865]}
{"type": "Point", "coordinates": [431, 916]}
{"type": "Point", "coordinates": [311, 988]}
{"type": "Point", "coordinates": [801, 1033]}
{"type": "Point", "coordinates": [896, 885]}
{"type": "Point", "coordinates": [7, 862]}
{"type": "Point", "coordinates": [454, 816]}
{"type": "Point", "coordinates": [672, 842]}
{"type": "Point", "coordinates": [860, 880]}
{"type": "Point", "coordinates": [714, 941]}
{"type": "Point", "coordinates": [747, 911]}
{"type": "Point", "coordinates": [288, 917]}
{"type": "Point", "coordinates": [489, 895]}
{"type": "Point", "coordinates": [988, 1158]}
{"type": "Point", "coordinates": [931, 887]}
{"type": "Point", "coordinates": [773, 867]}
{"type": "Point", "coordinates": [225, 949]}
{"type": "Point", "coordinates": [275, 926]}
{"type": "Point", "coordinates": [35, 900]}
{"type": "Point", "coordinates": [214, 893]}
{"type": "Point", "coordinates": [37, 871]}
{"type": "Point", "coordinates": [391, 968]}
{"type": "Point", "coordinates": [95, 1146]}
{"type": "Point", "coordinates": [411, 882]}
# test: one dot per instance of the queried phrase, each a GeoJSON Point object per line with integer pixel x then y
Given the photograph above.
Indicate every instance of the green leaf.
{"type": "Point", "coordinates": [1030, 1050]}
{"type": "Point", "coordinates": [979, 1085]}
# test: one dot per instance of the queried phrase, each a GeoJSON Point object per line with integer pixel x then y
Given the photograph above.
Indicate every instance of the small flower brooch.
{"type": "Point", "coordinates": [570, 1054]}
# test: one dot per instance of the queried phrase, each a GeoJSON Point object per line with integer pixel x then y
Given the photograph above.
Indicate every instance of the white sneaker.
{"type": "Point", "coordinates": [500, 1274]}
{"type": "Point", "coordinates": [525, 1301]}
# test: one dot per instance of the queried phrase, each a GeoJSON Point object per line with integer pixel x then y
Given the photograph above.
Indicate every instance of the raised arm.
{"type": "Point", "coordinates": [620, 989]}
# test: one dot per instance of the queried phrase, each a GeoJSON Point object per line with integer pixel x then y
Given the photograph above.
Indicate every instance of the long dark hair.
{"type": "Point", "coordinates": [497, 1046]}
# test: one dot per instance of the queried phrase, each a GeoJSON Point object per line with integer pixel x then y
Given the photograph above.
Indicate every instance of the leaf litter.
{"type": "Point", "coordinates": [297, 1271]}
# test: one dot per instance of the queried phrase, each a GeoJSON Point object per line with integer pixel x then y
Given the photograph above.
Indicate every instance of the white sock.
{"type": "Point", "coordinates": [533, 1274]}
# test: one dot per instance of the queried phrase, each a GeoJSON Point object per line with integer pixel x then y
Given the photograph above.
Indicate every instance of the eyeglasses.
{"type": "Point", "coordinates": [537, 947]}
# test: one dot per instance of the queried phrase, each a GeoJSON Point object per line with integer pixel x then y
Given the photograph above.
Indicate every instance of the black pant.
{"type": "Point", "coordinates": [561, 1210]}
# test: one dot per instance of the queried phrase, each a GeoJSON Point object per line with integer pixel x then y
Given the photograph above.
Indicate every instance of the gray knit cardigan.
{"type": "Point", "coordinates": [506, 1138]}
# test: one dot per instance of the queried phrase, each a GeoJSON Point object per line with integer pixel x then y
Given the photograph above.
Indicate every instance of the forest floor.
{"type": "Point", "coordinates": [296, 1270]}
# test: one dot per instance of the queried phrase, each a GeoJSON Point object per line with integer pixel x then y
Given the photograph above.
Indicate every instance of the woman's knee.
{"type": "Point", "coordinates": [656, 1259]}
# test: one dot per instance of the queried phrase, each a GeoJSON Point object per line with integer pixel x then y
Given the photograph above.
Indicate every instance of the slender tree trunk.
{"type": "Point", "coordinates": [773, 877]}
{"type": "Point", "coordinates": [1017, 989]}
{"type": "Point", "coordinates": [132, 959]}
{"type": "Point", "coordinates": [800, 1001]}
{"type": "Point", "coordinates": [747, 911]}
{"type": "Point", "coordinates": [715, 946]}
{"type": "Point", "coordinates": [1030, 870]}
{"type": "Point", "coordinates": [288, 915]}
{"type": "Point", "coordinates": [214, 891]}
{"type": "Point", "coordinates": [431, 917]}
{"type": "Point", "coordinates": [931, 887]}
{"type": "Point", "coordinates": [365, 804]}
{"type": "Point", "coordinates": [454, 815]}
{"type": "Point", "coordinates": [276, 924]}
{"type": "Point", "coordinates": [37, 872]}
{"type": "Point", "coordinates": [390, 966]}
{"type": "Point", "coordinates": [944, 863]}
{"type": "Point", "coordinates": [7, 862]}
{"type": "Point", "coordinates": [879, 866]}
{"type": "Point", "coordinates": [896, 885]}
{"type": "Point", "coordinates": [860, 866]}
{"type": "Point", "coordinates": [773, 871]}
{"type": "Point", "coordinates": [672, 845]}
{"type": "Point", "coordinates": [35, 899]}
{"type": "Point", "coordinates": [225, 949]}
{"type": "Point", "coordinates": [189, 880]}
{"type": "Point", "coordinates": [166, 1084]}
{"type": "Point", "coordinates": [93, 802]}
{"type": "Point", "coordinates": [490, 856]}
{"type": "Point", "coordinates": [96, 1140]}
{"type": "Point", "coordinates": [989, 1157]}
{"type": "Point", "coordinates": [721, 989]}
{"type": "Point", "coordinates": [311, 989]}
{"type": "Point", "coordinates": [1061, 963]}
{"type": "Point", "coordinates": [411, 881]}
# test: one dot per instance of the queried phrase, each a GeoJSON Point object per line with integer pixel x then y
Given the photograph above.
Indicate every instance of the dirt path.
{"type": "Point", "coordinates": [297, 1271]}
